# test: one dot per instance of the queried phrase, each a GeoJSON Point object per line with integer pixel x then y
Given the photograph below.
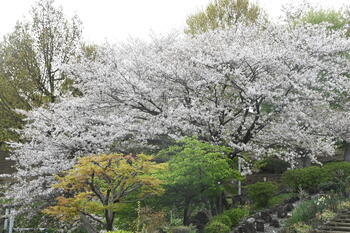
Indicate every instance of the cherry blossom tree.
{"type": "Point", "coordinates": [261, 90]}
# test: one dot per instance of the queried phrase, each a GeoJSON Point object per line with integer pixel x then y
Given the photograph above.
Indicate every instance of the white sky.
{"type": "Point", "coordinates": [116, 20]}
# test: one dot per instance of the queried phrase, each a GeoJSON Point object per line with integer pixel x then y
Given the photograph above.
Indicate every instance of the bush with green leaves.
{"type": "Point", "coordinates": [223, 219]}
{"type": "Point", "coordinates": [308, 178]}
{"type": "Point", "coordinates": [261, 192]}
{"type": "Point", "coordinates": [279, 199]}
{"type": "Point", "coordinates": [331, 176]}
{"type": "Point", "coordinates": [216, 227]}
{"type": "Point", "coordinates": [236, 215]}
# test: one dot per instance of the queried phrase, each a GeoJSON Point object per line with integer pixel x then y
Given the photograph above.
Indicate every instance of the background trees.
{"type": "Point", "coordinates": [31, 62]}
{"type": "Point", "coordinates": [261, 92]}
{"type": "Point", "coordinates": [223, 14]}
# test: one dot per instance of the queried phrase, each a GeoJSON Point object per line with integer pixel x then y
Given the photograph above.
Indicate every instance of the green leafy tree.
{"type": "Point", "coordinates": [102, 186]}
{"type": "Point", "coordinates": [30, 63]}
{"type": "Point", "coordinates": [222, 14]}
{"type": "Point", "coordinates": [337, 19]}
{"type": "Point", "coordinates": [197, 174]}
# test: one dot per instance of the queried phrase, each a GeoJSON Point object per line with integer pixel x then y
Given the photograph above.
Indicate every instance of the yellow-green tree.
{"type": "Point", "coordinates": [97, 187]}
{"type": "Point", "coordinates": [222, 14]}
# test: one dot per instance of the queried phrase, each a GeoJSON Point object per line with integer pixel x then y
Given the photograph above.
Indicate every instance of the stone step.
{"type": "Point", "coordinates": [332, 223]}
{"type": "Point", "coordinates": [336, 228]}
{"type": "Point", "coordinates": [341, 220]}
{"type": "Point", "coordinates": [343, 216]}
{"type": "Point", "coordinates": [328, 231]}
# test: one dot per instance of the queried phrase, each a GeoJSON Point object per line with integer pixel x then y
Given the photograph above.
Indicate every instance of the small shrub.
{"type": "Point", "coordinates": [325, 215]}
{"type": "Point", "coordinates": [223, 219]}
{"type": "Point", "coordinates": [332, 167]}
{"type": "Point", "coordinates": [304, 212]}
{"type": "Point", "coordinates": [236, 215]}
{"type": "Point", "coordinates": [343, 205]}
{"type": "Point", "coordinates": [302, 228]}
{"type": "Point", "coordinates": [308, 178]}
{"type": "Point", "coordinates": [216, 227]}
{"type": "Point", "coordinates": [279, 199]}
{"type": "Point", "coordinates": [312, 179]}
{"type": "Point", "coordinates": [261, 192]}
{"type": "Point", "coordinates": [275, 166]}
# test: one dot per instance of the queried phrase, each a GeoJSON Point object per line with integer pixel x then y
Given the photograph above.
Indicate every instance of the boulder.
{"type": "Point", "coordinates": [259, 225]}
{"type": "Point", "coordinates": [281, 212]}
{"type": "Point", "coordinates": [247, 228]}
{"type": "Point", "coordinates": [265, 215]}
{"type": "Point", "coordinates": [275, 223]}
{"type": "Point", "coordinates": [289, 207]}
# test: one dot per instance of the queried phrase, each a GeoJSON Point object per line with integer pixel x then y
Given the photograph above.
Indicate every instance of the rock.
{"type": "Point", "coordinates": [281, 212]}
{"type": "Point", "coordinates": [289, 207]}
{"type": "Point", "coordinates": [292, 200]}
{"type": "Point", "coordinates": [247, 228]}
{"type": "Point", "coordinates": [275, 223]}
{"type": "Point", "coordinates": [265, 215]}
{"type": "Point", "coordinates": [250, 220]}
{"type": "Point", "coordinates": [259, 225]}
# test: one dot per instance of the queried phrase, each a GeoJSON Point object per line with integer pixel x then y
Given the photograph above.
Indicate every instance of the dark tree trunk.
{"type": "Point", "coordinates": [186, 217]}
{"type": "Point", "coordinates": [220, 203]}
{"type": "Point", "coordinates": [347, 151]}
{"type": "Point", "coordinates": [109, 214]}
{"type": "Point", "coordinates": [306, 162]}
{"type": "Point", "coordinates": [85, 223]}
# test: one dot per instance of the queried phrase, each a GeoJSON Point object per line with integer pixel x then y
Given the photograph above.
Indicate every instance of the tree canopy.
{"type": "Point", "coordinates": [101, 185]}
{"type": "Point", "coordinates": [222, 14]}
{"type": "Point", "coordinates": [260, 91]}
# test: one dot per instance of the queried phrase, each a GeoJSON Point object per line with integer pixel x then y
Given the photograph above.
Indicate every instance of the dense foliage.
{"type": "Point", "coordinates": [261, 192]}
{"type": "Point", "coordinates": [314, 178]}
{"type": "Point", "coordinates": [234, 88]}
{"type": "Point", "coordinates": [197, 174]}
{"type": "Point", "coordinates": [100, 185]}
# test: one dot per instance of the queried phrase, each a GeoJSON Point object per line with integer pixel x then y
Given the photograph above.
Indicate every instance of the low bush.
{"type": "Point", "coordinates": [308, 178]}
{"type": "Point", "coordinates": [315, 178]}
{"type": "Point", "coordinates": [304, 212]}
{"type": "Point", "coordinates": [333, 167]}
{"type": "Point", "coordinates": [279, 199]}
{"type": "Point", "coordinates": [216, 227]}
{"type": "Point", "coordinates": [275, 166]}
{"type": "Point", "coordinates": [261, 192]}
{"type": "Point", "coordinates": [222, 218]}
{"type": "Point", "coordinates": [236, 215]}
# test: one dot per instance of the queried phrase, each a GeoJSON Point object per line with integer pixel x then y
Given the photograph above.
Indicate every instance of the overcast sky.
{"type": "Point", "coordinates": [116, 20]}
